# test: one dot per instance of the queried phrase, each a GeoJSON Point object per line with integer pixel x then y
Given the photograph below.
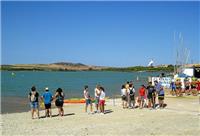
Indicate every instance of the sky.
{"type": "Point", "coordinates": [116, 34]}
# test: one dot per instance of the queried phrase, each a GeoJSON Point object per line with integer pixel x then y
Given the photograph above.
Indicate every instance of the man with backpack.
{"type": "Point", "coordinates": [131, 96]}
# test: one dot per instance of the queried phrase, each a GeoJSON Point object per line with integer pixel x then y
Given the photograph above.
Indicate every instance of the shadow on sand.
{"type": "Point", "coordinates": [69, 114]}
{"type": "Point", "coordinates": [108, 111]}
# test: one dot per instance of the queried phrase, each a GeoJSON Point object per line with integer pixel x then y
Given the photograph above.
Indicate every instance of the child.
{"type": "Point", "coordinates": [97, 94]}
{"type": "Point", "coordinates": [142, 94]}
{"type": "Point", "coordinates": [173, 88]}
{"type": "Point", "coordinates": [102, 100]}
{"type": "Point", "coordinates": [161, 95]}
{"type": "Point", "coordinates": [87, 99]}
{"type": "Point", "coordinates": [124, 96]}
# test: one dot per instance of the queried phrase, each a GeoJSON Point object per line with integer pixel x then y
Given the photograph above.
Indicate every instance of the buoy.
{"type": "Point", "coordinates": [137, 78]}
{"type": "Point", "coordinates": [13, 74]}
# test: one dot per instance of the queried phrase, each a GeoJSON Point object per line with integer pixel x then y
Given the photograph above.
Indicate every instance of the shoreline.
{"type": "Point", "coordinates": [180, 117]}
{"type": "Point", "coordinates": [21, 104]}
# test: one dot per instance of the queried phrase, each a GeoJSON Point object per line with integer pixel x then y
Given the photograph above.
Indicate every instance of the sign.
{"type": "Point", "coordinates": [165, 81]}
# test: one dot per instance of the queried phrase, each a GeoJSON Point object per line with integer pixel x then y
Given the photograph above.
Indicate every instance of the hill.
{"type": "Point", "coordinates": [68, 66]}
{"type": "Point", "coordinates": [59, 66]}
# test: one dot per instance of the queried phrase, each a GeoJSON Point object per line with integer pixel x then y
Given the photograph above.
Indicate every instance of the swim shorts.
{"type": "Point", "coordinates": [34, 105]}
{"type": "Point", "coordinates": [48, 106]}
{"type": "Point", "coordinates": [88, 101]}
{"type": "Point", "coordinates": [101, 102]}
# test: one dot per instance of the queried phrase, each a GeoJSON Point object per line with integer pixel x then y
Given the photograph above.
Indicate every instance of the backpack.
{"type": "Point", "coordinates": [60, 98]}
{"type": "Point", "coordinates": [33, 98]}
{"type": "Point", "coordinates": [131, 92]}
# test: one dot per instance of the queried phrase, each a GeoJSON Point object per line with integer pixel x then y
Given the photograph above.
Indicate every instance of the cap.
{"type": "Point", "coordinates": [46, 88]}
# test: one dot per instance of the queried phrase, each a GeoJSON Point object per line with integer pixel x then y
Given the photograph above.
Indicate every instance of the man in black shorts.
{"type": "Point", "coordinates": [47, 97]}
{"type": "Point", "coordinates": [151, 95]}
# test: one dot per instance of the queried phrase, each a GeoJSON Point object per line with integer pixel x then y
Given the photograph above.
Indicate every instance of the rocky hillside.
{"type": "Point", "coordinates": [59, 66]}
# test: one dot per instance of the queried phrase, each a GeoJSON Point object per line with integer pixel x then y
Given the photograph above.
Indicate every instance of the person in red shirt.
{"type": "Point", "coordinates": [198, 85]}
{"type": "Point", "coordinates": [142, 93]}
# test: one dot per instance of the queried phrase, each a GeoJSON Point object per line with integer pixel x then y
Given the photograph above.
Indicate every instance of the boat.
{"type": "Point", "coordinates": [76, 101]}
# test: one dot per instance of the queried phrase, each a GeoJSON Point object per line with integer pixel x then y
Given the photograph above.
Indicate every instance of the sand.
{"type": "Point", "coordinates": [180, 117]}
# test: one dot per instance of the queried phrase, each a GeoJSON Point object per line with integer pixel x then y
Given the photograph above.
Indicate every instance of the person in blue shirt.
{"type": "Point", "coordinates": [157, 85]}
{"type": "Point", "coordinates": [47, 98]}
{"type": "Point", "coordinates": [173, 88]}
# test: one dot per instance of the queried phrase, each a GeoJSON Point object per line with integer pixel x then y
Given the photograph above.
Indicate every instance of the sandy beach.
{"type": "Point", "coordinates": [180, 117]}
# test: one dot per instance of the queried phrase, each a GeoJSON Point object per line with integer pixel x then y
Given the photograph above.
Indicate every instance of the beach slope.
{"type": "Point", "coordinates": [180, 117]}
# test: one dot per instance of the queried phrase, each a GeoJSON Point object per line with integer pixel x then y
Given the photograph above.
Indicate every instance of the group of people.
{"type": "Point", "coordinates": [146, 96]}
{"type": "Point", "coordinates": [47, 98]}
{"type": "Point", "coordinates": [191, 87]}
{"type": "Point", "coordinates": [99, 100]}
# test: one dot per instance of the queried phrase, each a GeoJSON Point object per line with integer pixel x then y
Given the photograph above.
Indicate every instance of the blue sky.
{"type": "Point", "coordinates": [98, 33]}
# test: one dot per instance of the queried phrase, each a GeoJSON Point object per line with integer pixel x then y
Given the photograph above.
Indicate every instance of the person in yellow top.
{"type": "Point", "coordinates": [194, 86]}
{"type": "Point", "coordinates": [178, 87]}
{"type": "Point", "coordinates": [187, 86]}
{"type": "Point", "coordinates": [127, 93]}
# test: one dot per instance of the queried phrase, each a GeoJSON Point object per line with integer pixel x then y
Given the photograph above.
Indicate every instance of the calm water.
{"type": "Point", "coordinates": [72, 82]}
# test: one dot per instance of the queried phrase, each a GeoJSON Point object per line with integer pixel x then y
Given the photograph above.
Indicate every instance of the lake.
{"type": "Point", "coordinates": [15, 85]}
{"type": "Point", "coordinates": [72, 83]}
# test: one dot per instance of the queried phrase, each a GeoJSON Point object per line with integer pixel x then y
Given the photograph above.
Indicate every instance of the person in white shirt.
{"type": "Point", "coordinates": [87, 99]}
{"type": "Point", "coordinates": [97, 94]}
{"type": "Point", "coordinates": [102, 100]}
{"type": "Point", "coordinates": [124, 96]}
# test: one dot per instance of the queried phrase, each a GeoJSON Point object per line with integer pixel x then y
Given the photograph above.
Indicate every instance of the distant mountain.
{"type": "Point", "coordinates": [58, 66]}
{"type": "Point", "coordinates": [69, 64]}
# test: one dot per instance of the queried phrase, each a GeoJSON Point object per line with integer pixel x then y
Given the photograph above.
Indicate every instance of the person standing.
{"type": "Point", "coordinates": [161, 95]}
{"type": "Point", "coordinates": [97, 94]}
{"type": "Point", "coordinates": [127, 93]}
{"type": "Point", "coordinates": [187, 86]}
{"type": "Point", "coordinates": [173, 88]}
{"type": "Point", "coordinates": [151, 95]}
{"type": "Point", "coordinates": [178, 87]}
{"type": "Point", "coordinates": [88, 100]}
{"type": "Point", "coordinates": [47, 98]}
{"type": "Point", "coordinates": [59, 96]}
{"type": "Point", "coordinates": [194, 86]}
{"type": "Point", "coordinates": [124, 96]}
{"type": "Point", "coordinates": [132, 96]}
{"type": "Point", "coordinates": [198, 86]}
{"type": "Point", "coordinates": [33, 98]}
{"type": "Point", "coordinates": [102, 100]}
{"type": "Point", "coordinates": [142, 93]}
